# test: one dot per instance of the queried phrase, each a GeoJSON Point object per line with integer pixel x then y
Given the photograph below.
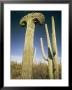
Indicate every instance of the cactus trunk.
{"type": "Point", "coordinates": [28, 51]}
{"type": "Point", "coordinates": [50, 69]}
{"type": "Point", "coordinates": [28, 54]}
{"type": "Point", "coordinates": [55, 53]}
{"type": "Point", "coordinates": [50, 60]}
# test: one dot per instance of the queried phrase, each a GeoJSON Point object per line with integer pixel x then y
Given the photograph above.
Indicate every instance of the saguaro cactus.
{"type": "Point", "coordinates": [28, 54]}
{"type": "Point", "coordinates": [55, 53]}
{"type": "Point", "coordinates": [52, 53]}
{"type": "Point", "coordinates": [49, 58]}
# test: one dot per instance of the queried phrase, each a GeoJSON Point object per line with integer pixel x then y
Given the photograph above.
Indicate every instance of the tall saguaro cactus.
{"type": "Point", "coordinates": [55, 53]}
{"type": "Point", "coordinates": [28, 54]}
{"type": "Point", "coordinates": [49, 58]}
{"type": "Point", "coordinates": [52, 59]}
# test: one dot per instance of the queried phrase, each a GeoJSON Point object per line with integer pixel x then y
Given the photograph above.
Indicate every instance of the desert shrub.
{"type": "Point", "coordinates": [15, 70]}
{"type": "Point", "coordinates": [60, 71]}
{"type": "Point", "coordinates": [40, 71]}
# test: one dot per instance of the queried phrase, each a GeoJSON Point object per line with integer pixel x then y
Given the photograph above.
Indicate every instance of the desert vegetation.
{"type": "Point", "coordinates": [39, 71]}
{"type": "Point", "coordinates": [28, 69]}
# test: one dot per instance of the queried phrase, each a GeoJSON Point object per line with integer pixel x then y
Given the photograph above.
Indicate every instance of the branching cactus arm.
{"type": "Point", "coordinates": [49, 58]}
{"type": "Point", "coordinates": [50, 55]}
{"type": "Point", "coordinates": [55, 53]}
{"type": "Point", "coordinates": [54, 43]}
{"type": "Point", "coordinates": [23, 21]}
{"type": "Point", "coordinates": [39, 16]}
{"type": "Point", "coordinates": [48, 44]}
{"type": "Point", "coordinates": [42, 49]}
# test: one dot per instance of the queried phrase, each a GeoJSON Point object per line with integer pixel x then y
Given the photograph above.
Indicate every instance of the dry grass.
{"type": "Point", "coordinates": [15, 71]}
{"type": "Point", "coordinates": [40, 71]}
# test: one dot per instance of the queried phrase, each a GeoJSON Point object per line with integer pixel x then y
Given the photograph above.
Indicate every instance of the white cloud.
{"type": "Point", "coordinates": [17, 59]}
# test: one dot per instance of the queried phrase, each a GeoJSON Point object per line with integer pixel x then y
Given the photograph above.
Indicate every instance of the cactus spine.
{"type": "Point", "coordinates": [55, 53]}
{"type": "Point", "coordinates": [49, 58]}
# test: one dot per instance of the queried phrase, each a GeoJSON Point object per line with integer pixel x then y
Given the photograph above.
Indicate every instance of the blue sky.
{"type": "Point", "coordinates": [18, 34]}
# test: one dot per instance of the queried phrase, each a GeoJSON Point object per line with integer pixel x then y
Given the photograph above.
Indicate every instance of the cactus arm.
{"type": "Point", "coordinates": [48, 42]}
{"type": "Point", "coordinates": [50, 57]}
{"type": "Point", "coordinates": [40, 17]}
{"type": "Point", "coordinates": [34, 58]}
{"type": "Point", "coordinates": [42, 49]}
{"type": "Point", "coordinates": [55, 53]}
{"type": "Point", "coordinates": [23, 21]}
{"type": "Point", "coordinates": [54, 37]}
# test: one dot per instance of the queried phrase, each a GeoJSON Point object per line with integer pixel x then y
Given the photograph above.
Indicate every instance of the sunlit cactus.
{"type": "Point", "coordinates": [55, 53]}
{"type": "Point", "coordinates": [34, 58]}
{"type": "Point", "coordinates": [49, 59]}
{"type": "Point", "coordinates": [30, 20]}
{"type": "Point", "coordinates": [52, 53]}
